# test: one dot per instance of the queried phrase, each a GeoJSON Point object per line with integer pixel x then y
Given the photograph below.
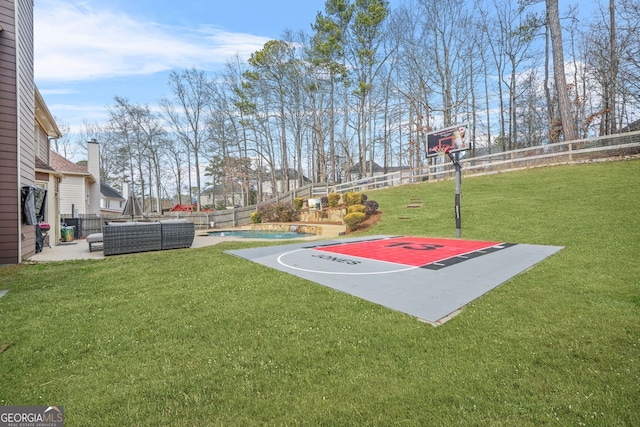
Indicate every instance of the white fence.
{"type": "Point", "coordinates": [580, 151]}
{"type": "Point", "coordinates": [573, 152]}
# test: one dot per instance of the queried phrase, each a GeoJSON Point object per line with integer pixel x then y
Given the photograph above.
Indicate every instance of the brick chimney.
{"type": "Point", "coordinates": [93, 167]}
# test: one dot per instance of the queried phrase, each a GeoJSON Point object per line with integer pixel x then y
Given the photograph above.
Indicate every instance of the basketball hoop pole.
{"type": "Point", "coordinates": [454, 156]}
{"type": "Point", "coordinates": [455, 159]}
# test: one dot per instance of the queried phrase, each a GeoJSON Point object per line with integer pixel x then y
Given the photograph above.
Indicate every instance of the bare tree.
{"type": "Point", "coordinates": [414, 83]}
{"type": "Point", "coordinates": [629, 59]}
{"type": "Point", "coordinates": [299, 118]}
{"type": "Point", "coordinates": [271, 66]}
{"type": "Point", "coordinates": [112, 162]}
{"type": "Point", "coordinates": [237, 121]}
{"type": "Point", "coordinates": [64, 145]}
{"type": "Point", "coordinates": [510, 34]}
{"type": "Point", "coordinates": [335, 25]}
{"type": "Point", "coordinates": [613, 61]}
{"type": "Point", "coordinates": [177, 157]}
{"type": "Point", "coordinates": [130, 144]}
{"type": "Point", "coordinates": [152, 136]}
{"type": "Point", "coordinates": [613, 52]}
{"type": "Point", "coordinates": [369, 83]}
{"type": "Point", "coordinates": [446, 21]}
{"type": "Point", "coordinates": [366, 29]}
{"type": "Point", "coordinates": [187, 114]}
{"type": "Point", "coordinates": [497, 48]}
{"type": "Point", "coordinates": [326, 54]}
{"type": "Point", "coordinates": [564, 104]}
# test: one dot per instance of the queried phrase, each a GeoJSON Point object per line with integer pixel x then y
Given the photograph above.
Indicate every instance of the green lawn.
{"type": "Point", "coordinates": [198, 337]}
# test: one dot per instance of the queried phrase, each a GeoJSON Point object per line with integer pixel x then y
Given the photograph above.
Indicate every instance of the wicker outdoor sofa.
{"type": "Point", "coordinates": [129, 237]}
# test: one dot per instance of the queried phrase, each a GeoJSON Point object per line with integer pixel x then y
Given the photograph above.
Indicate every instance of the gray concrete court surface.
{"type": "Point", "coordinates": [432, 289]}
{"type": "Point", "coordinates": [446, 275]}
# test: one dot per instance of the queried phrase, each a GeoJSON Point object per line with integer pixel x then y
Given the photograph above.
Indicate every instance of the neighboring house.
{"type": "Point", "coordinates": [26, 126]}
{"type": "Point", "coordinates": [80, 186]}
{"type": "Point", "coordinates": [354, 171]}
{"type": "Point", "coordinates": [111, 201]}
{"type": "Point", "coordinates": [369, 179]}
{"type": "Point", "coordinates": [631, 127]}
{"type": "Point", "coordinates": [225, 195]}
{"type": "Point", "coordinates": [281, 183]}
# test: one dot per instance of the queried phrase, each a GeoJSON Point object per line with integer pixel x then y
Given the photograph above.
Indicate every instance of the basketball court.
{"type": "Point", "coordinates": [429, 278]}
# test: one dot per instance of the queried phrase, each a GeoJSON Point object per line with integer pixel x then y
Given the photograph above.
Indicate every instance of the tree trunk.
{"type": "Point", "coordinates": [564, 104]}
{"type": "Point", "coordinates": [614, 67]}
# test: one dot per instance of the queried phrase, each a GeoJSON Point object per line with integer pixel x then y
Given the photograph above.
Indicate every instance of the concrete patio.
{"type": "Point", "coordinates": [79, 249]}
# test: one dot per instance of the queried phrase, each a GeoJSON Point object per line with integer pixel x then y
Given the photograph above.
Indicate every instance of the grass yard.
{"type": "Point", "coordinates": [201, 338]}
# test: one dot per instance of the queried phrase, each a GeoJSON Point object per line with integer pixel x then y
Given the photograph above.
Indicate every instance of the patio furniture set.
{"type": "Point", "coordinates": [128, 237]}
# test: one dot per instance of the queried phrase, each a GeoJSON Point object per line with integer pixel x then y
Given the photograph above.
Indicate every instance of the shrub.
{"type": "Point", "coordinates": [256, 217]}
{"type": "Point", "coordinates": [298, 202]}
{"type": "Point", "coordinates": [266, 212]}
{"type": "Point", "coordinates": [324, 201]}
{"type": "Point", "coordinates": [363, 198]}
{"type": "Point", "coordinates": [356, 208]}
{"type": "Point", "coordinates": [347, 197]}
{"type": "Point", "coordinates": [277, 212]}
{"type": "Point", "coordinates": [285, 212]}
{"type": "Point", "coordinates": [354, 219]}
{"type": "Point", "coordinates": [352, 198]}
{"type": "Point", "coordinates": [371, 207]}
{"type": "Point", "coordinates": [333, 199]}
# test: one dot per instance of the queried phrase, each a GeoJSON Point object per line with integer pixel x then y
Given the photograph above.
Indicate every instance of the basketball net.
{"type": "Point", "coordinates": [441, 154]}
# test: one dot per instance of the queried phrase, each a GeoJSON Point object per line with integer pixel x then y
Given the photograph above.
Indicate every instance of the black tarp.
{"type": "Point", "coordinates": [33, 210]}
{"type": "Point", "coordinates": [29, 205]}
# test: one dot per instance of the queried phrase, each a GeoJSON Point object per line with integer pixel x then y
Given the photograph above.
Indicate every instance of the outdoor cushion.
{"type": "Point", "coordinates": [93, 239]}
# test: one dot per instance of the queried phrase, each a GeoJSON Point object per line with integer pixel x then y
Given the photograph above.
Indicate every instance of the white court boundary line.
{"type": "Point", "coordinates": [307, 270]}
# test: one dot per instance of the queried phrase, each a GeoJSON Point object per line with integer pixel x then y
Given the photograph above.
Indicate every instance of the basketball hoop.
{"type": "Point", "coordinates": [445, 143]}
{"type": "Point", "coordinates": [440, 153]}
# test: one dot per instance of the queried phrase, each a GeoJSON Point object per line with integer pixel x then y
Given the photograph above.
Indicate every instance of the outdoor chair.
{"type": "Point", "coordinates": [129, 237]}
{"type": "Point", "coordinates": [95, 241]}
{"type": "Point", "coordinates": [177, 233]}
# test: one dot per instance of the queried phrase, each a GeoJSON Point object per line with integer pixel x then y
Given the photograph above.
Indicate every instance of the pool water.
{"type": "Point", "coordinates": [260, 234]}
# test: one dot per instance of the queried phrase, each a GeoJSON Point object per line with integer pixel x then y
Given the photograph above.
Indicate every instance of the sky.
{"type": "Point", "coordinates": [89, 51]}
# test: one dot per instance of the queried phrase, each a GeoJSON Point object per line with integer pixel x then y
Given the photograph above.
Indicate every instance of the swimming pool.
{"type": "Point", "coordinates": [260, 234]}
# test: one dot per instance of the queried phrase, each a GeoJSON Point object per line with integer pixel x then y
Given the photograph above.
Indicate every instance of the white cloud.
{"type": "Point", "coordinates": [74, 42]}
{"type": "Point", "coordinates": [74, 115]}
{"type": "Point", "coordinates": [58, 91]}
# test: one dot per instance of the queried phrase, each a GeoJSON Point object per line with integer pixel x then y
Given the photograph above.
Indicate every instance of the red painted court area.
{"type": "Point", "coordinates": [412, 251]}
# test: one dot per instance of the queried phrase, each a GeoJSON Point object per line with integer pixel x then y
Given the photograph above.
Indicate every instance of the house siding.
{"type": "Point", "coordinates": [109, 205]}
{"type": "Point", "coordinates": [17, 139]}
{"type": "Point", "coordinates": [93, 167]}
{"type": "Point", "coordinates": [26, 121]}
{"type": "Point", "coordinates": [42, 147]}
{"type": "Point", "coordinates": [9, 182]}
{"type": "Point", "coordinates": [73, 195]}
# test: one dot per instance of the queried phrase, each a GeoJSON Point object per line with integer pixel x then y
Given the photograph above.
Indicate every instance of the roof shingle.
{"type": "Point", "coordinates": [61, 164]}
